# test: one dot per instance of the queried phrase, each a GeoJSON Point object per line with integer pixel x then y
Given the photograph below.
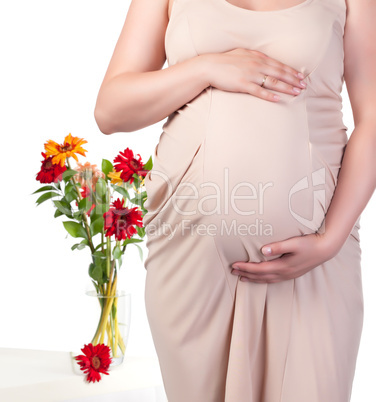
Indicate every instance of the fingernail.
{"type": "Point", "coordinates": [266, 250]}
{"type": "Point", "coordinates": [235, 267]}
{"type": "Point", "coordinates": [300, 75]}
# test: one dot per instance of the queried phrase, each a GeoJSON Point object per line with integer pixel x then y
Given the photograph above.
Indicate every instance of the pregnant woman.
{"type": "Point", "coordinates": [254, 155]}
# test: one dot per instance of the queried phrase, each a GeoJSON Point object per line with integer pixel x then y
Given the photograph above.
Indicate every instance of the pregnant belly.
{"type": "Point", "coordinates": [259, 183]}
{"type": "Point", "coordinates": [252, 178]}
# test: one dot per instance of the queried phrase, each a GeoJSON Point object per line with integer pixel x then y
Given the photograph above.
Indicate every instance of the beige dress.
{"type": "Point", "coordinates": [231, 173]}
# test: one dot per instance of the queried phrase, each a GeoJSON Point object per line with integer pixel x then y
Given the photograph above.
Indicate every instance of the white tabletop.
{"type": "Point", "coordinates": [40, 375]}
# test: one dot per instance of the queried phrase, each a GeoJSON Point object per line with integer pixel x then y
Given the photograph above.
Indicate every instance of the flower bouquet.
{"type": "Point", "coordinates": [84, 195]}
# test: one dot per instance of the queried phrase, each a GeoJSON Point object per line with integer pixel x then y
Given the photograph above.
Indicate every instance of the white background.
{"type": "Point", "coordinates": [54, 56]}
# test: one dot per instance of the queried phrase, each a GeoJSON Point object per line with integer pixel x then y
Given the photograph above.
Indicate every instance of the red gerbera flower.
{"type": "Point", "coordinates": [120, 220]}
{"type": "Point", "coordinates": [49, 172]}
{"type": "Point", "coordinates": [95, 360]}
{"type": "Point", "coordinates": [85, 191]}
{"type": "Point", "coordinates": [128, 165]}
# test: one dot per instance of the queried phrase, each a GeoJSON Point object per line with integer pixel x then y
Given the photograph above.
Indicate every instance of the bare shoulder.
{"type": "Point", "coordinates": [360, 8]}
{"type": "Point", "coordinates": [140, 46]}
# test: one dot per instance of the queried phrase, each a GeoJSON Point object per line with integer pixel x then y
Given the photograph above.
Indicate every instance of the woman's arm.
{"type": "Point", "coordinates": [357, 177]}
{"type": "Point", "coordinates": [135, 92]}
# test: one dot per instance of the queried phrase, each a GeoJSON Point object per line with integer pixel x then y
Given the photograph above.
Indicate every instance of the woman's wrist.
{"type": "Point", "coordinates": [333, 240]}
{"type": "Point", "coordinates": [202, 65]}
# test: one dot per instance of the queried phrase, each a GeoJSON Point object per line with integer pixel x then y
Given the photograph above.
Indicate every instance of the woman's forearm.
{"type": "Point", "coordinates": [355, 186]}
{"type": "Point", "coordinates": [134, 100]}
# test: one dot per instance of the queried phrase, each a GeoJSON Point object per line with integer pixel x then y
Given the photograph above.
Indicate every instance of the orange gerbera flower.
{"type": "Point", "coordinates": [71, 147]}
{"type": "Point", "coordinates": [88, 174]}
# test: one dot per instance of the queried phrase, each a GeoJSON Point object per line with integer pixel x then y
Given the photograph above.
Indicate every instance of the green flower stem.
{"type": "Point", "coordinates": [112, 331]}
{"type": "Point", "coordinates": [113, 287]}
{"type": "Point", "coordinates": [116, 340]}
{"type": "Point", "coordinates": [110, 282]}
{"type": "Point", "coordinates": [106, 313]}
{"type": "Point", "coordinates": [102, 320]}
{"type": "Point", "coordinates": [106, 310]}
{"type": "Point", "coordinates": [110, 341]}
{"type": "Point", "coordinates": [121, 343]}
{"type": "Point", "coordinates": [84, 216]}
{"type": "Point", "coordinates": [108, 244]}
{"type": "Point", "coordinates": [116, 329]}
{"type": "Point", "coordinates": [108, 261]}
{"type": "Point", "coordinates": [93, 341]}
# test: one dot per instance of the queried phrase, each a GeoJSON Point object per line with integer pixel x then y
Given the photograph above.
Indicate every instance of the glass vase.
{"type": "Point", "coordinates": [110, 308]}
{"type": "Point", "coordinates": [114, 318]}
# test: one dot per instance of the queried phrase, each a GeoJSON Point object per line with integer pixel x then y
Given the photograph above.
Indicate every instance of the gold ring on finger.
{"type": "Point", "coordinates": [263, 81]}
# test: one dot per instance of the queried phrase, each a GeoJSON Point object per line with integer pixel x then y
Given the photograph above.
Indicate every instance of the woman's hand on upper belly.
{"type": "Point", "coordinates": [245, 70]}
{"type": "Point", "coordinates": [299, 255]}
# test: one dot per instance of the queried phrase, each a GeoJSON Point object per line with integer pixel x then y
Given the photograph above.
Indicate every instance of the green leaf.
{"type": "Point", "coordinates": [149, 164]}
{"type": "Point", "coordinates": [80, 246]}
{"type": "Point", "coordinates": [137, 200]}
{"type": "Point", "coordinates": [44, 188]}
{"type": "Point", "coordinates": [107, 166]}
{"type": "Point", "coordinates": [139, 251]}
{"type": "Point", "coordinates": [140, 231]}
{"type": "Point", "coordinates": [71, 195]}
{"type": "Point", "coordinates": [68, 174]}
{"type": "Point", "coordinates": [98, 268]}
{"type": "Point", "coordinates": [98, 211]}
{"type": "Point", "coordinates": [75, 229]}
{"type": "Point", "coordinates": [46, 196]}
{"type": "Point", "coordinates": [78, 215]}
{"type": "Point", "coordinates": [100, 245]}
{"type": "Point", "coordinates": [85, 204]}
{"type": "Point", "coordinates": [96, 226]}
{"type": "Point", "coordinates": [58, 213]}
{"type": "Point", "coordinates": [69, 187]}
{"type": "Point", "coordinates": [63, 207]}
{"type": "Point", "coordinates": [137, 180]}
{"type": "Point", "coordinates": [84, 243]}
{"type": "Point", "coordinates": [99, 254]}
{"type": "Point", "coordinates": [117, 252]}
{"type": "Point", "coordinates": [96, 272]}
{"type": "Point", "coordinates": [128, 241]}
{"type": "Point", "coordinates": [122, 191]}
